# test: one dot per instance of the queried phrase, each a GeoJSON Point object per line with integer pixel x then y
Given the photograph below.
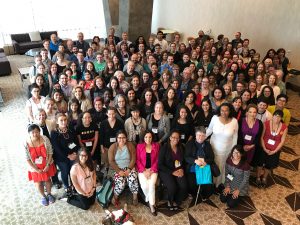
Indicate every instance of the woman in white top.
{"type": "Point", "coordinates": [34, 103]}
{"type": "Point", "coordinates": [224, 130]}
{"type": "Point", "coordinates": [83, 178]}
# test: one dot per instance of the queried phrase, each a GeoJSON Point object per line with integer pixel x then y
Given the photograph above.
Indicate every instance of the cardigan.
{"type": "Point", "coordinates": [131, 131]}
{"type": "Point", "coordinates": [141, 157]}
{"type": "Point", "coordinates": [112, 153]}
{"type": "Point", "coordinates": [163, 126]}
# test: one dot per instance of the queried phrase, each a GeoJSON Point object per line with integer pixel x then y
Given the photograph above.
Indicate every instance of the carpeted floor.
{"type": "Point", "coordinates": [20, 203]}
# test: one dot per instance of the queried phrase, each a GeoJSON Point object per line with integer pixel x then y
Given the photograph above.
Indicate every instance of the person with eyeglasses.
{"type": "Point", "coordinates": [83, 176]}
{"type": "Point", "coordinates": [122, 158]}
{"type": "Point", "coordinates": [171, 166]}
{"type": "Point", "coordinates": [281, 101]}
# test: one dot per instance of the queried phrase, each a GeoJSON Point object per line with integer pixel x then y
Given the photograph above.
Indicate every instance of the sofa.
{"type": "Point", "coordinates": [4, 64]}
{"type": "Point", "coordinates": [22, 42]}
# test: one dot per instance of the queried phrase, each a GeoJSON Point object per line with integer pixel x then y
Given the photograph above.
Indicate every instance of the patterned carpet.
{"type": "Point", "coordinates": [19, 201]}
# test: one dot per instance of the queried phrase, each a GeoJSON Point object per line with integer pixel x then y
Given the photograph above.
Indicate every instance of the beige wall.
{"type": "Point", "coordinates": [267, 23]}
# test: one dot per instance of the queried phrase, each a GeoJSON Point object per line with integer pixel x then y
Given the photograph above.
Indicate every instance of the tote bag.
{"type": "Point", "coordinates": [203, 174]}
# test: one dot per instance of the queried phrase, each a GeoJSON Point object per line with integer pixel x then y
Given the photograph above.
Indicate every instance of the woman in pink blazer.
{"type": "Point", "coordinates": [147, 167]}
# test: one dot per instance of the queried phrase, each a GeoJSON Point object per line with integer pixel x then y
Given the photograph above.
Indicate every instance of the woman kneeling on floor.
{"type": "Point", "coordinates": [39, 157]}
{"type": "Point", "coordinates": [83, 177]}
{"type": "Point", "coordinates": [237, 172]}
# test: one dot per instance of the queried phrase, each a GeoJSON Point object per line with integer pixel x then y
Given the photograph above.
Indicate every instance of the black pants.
{"type": "Point", "coordinates": [206, 190]}
{"type": "Point", "coordinates": [231, 202]}
{"type": "Point", "coordinates": [177, 187]}
{"type": "Point", "coordinates": [81, 201]}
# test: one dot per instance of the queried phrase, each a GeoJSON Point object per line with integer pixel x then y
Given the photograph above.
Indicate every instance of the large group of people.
{"type": "Point", "coordinates": [154, 112]}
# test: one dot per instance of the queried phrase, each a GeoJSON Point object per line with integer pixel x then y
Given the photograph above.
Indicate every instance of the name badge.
{"type": "Point", "coordinates": [38, 160]}
{"type": "Point", "coordinates": [88, 144]}
{"type": "Point", "coordinates": [271, 142]}
{"type": "Point", "coordinates": [230, 177]}
{"type": "Point", "coordinates": [177, 164]}
{"type": "Point", "coordinates": [248, 137]}
{"type": "Point", "coordinates": [182, 136]}
{"type": "Point", "coordinates": [112, 140]}
{"type": "Point", "coordinates": [72, 145]}
{"type": "Point", "coordinates": [170, 116]}
{"type": "Point", "coordinates": [154, 130]}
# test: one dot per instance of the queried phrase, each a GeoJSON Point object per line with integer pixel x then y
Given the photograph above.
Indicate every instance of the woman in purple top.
{"type": "Point", "coordinates": [250, 130]}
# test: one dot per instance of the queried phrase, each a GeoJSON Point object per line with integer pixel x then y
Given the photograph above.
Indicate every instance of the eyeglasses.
{"type": "Point", "coordinates": [175, 138]}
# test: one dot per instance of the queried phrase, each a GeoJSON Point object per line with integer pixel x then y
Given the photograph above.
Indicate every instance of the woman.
{"type": "Point", "coordinates": [53, 75]}
{"type": "Point", "coordinates": [171, 170]}
{"type": "Point", "coordinates": [249, 134]}
{"type": "Point", "coordinates": [154, 86]}
{"type": "Point", "coordinates": [34, 103]}
{"type": "Point", "coordinates": [147, 168]}
{"type": "Point", "coordinates": [83, 177]}
{"type": "Point", "coordinates": [132, 97]}
{"type": "Point", "coordinates": [205, 87]}
{"type": "Point", "coordinates": [122, 107]}
{"type": "Point", "coordinates": [196, 89]}
{"type": "Point", "coordinates": [40, 81]}
{"type": "Point", "coordinates": [114, 86]}
{"type": "Point", "coordinates": [73, 113]}
{"type": "Point", "coordinates": [108, 71]}
{"type": "Point", "coordinates": [72, 80]}
{"type": "Point", "coordinates": [259, 82]}
{"type": "Point", "coordinates": [159, 123]}
{"type": "Point", "coordinates": [85, 103]}
{"type": "Point", "coordinates": [198, 151]}
{"type": "Point", "coordinates": [50, 113]}
{"type": "Point", "coordinates": [237, 177]}
{"type": "Point", "coordinates": [183, 124]}
{"type": "Point", "coordinates": [224, 129]}
{"type": "Point", "coordinates": [189, 100]}
{"type": "Point", "coordinates": [60, 104]}
{"type": "Point", "coordinates": [61, 62]}
{"type": "Point", "coordinates": [237, 108]}
{"type": "Point", "coordinates": [170, 102]}
{"type": "Point", "coordinates": [229, 80]}
{"type": "Point", "coordinates": [218, 97]}
{"type": "Point", "coordinates": [65, 147]}
{"type": "Point", "coordinates": [108, 131]}
{"type": "Point", "coordinates": [108, 98]}
{"type": "Point", "coordinates": [272, 82]}
{"type": "Point", "coordinates": [135, 85]}
{"type": "Point", "coordinates": [268, 93]}
{"type": "Point", "coordinates": [246, 96]}
{"type": "Point", "coordinates": [39, 152]}
{"type": "Point", "coordinates": [200, 74]}
{"type": "Point", "coordinates": [164, 82]}
{"type": "Point", "coordinates": [272, 139]}
{"type": "Point", "coordinates": [99, 87]}
{"type": "Point", "coordinates": [229, 95]}
{"type": "Point", "coordinates": [205, 113]}
{"type": "Point", "coordinates": [135, 126]}
{"type": "Point", "coordinates": [147, 103]}
{"type": "Point", "coordinates": [122, 157]}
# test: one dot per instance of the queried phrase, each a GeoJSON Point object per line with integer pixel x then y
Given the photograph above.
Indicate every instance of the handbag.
{"type": "Point", "coordinates": [203, 174]}
{"type": "Point", "coordinates": [215, 169]}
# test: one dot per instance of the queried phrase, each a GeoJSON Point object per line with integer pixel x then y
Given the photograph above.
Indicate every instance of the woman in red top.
{"type": "Point", "coordinates": [39, 158]}
{"type": "Point", "coordinates": [273, 138]}
{"type": "Point", "coordinates": [147, 167]}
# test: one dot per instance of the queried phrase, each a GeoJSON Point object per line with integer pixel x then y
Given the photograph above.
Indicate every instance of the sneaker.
{"type": "Point", "coordinates": [44, 201]}
{"type": "Point", "coordinates": [51, 198]}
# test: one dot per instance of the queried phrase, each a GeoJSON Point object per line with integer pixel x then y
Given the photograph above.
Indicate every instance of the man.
{"type": "Point", "coordinates": [46, 45]}
{"type": "Point", "coordinates": [111, 32]}
{"type": "Point", "coordinates": [69, 45]}
{"type": "Point", "coordinates": [162, 42]}
{"type": "Point", "coordinates": [263, 114]}
{"type": "Point", "coordinates": [176, 41]}
{"type": "Point", "coordinates": [169, 65]}
{"type": "Point", "coordinates": [137, 67]}
{"type": "Point", "coordinates": [81, 64]}
{"type": "Point", "coordinates": [237, 39]}
{"type": "Point", "coordinates": [157, 53]}
{"type": "Point", "coordinates": [186, 83]}
{"type": "Point", "coordinates": [73, 55]}
{"type": "Point", "coordinates": [281, 101]}
{"type": "Point", "coordinates": [174, 52]}
{"type": "Point", "coordinates": [280, 83]}
{"type": "Point", "coordinates": [54, 43]}
{"type": "Point", "coordinates": [45, 60]}
{"type": "Point", "coordinates": [99, 63]}
{"type": "Point", "coordinates": [200, 40]}
{"type": "Point", "coordinates": [185, 62]}
{"type": "Point", "coordinates": [65, 86]}
{"type": "Point", "coordinates": [124, 40]}
{"type": "Point", "coordinates": [151, 44]}
{"type": "Point", "coordinates": [130, 70]}
{"type": "Point", "coordinates": [81, 44]}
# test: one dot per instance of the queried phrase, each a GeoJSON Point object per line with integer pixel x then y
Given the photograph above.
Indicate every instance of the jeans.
{"type": "Point", "coordinates": [65, 168]}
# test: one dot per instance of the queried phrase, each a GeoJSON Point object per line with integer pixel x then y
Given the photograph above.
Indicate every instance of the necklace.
{"type": "Point", "coordinates": [64, 132]}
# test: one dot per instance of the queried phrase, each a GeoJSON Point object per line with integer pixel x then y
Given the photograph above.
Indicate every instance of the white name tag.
{"type": "Point", "coordinates": [38, 160]}
{"type": "Point", "coordinates": [72, 145]}
{"type": "Point", "coordinates": [170, 116]}
{"type": "Point", "coordinates": [182, 136]}
{"type": "Point", "coordinates": [271, 142]}
{"type": "Point", "coordinates": [88, 144]}
{"type": "Point", "coordinates": [112, 140]}
{"type": "Point", "coordinates": [177, 164]}
{"type": "Point", "coordinates": [230, 177]}
{"type": "Point", "coordinates": [248, 137]}
{"type": "Point", "coordinates": [154, 130]}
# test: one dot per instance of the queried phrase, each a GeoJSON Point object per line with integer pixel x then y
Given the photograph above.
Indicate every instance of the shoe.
{"type": "Point", "coordinates": [153, 210]}
{"type": "Point", "coordinates": [44, 201]}
{"type": "Point", "coordinates": [263, 182]}
{"type": "Point", "coordinates": [170, 206]}
{"type": "Point", "coordinates": [51, 198]}
{"type": "Point", "coordinates": [175, 207]}
{"type": "Point", "coordinates": [58, 186]}
{"type": "Point", "coordinates": [258, 182]}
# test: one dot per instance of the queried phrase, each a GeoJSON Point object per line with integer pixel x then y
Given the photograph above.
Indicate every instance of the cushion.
{"type": "Point", "coordinates": [35, 36]}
